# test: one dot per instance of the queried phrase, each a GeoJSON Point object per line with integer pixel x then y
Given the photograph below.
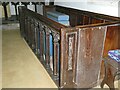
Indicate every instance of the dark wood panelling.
{"type": "Point", "coordinates": [84, 58]}
{"type": "Point", "coordinates": [69, 46]}
{"type": "Point", "coordinates": [87, 17]}
{"type": "Point", "coordinates": [73, 19]}
{"type": "Point", "coordinates": [94, 21]}
{"type": "Point", "coordinates": [86, 20]}
{"type": "Point", "coordinates": [91, 41]}
{"type": "Point", "coordinates": [77, 50]}
{"type": "Point", "coordinates": [112, 37]}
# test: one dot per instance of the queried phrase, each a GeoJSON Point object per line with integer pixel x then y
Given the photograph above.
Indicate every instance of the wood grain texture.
{"type": "Point", "coordinates": [112, 39]}
{"type": "Point", "coordinates": [77, 49]}
{"type": "Point", "coordinates": [86, 56]}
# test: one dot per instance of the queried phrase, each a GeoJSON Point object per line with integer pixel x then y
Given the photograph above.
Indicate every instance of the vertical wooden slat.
{"type": "Point", "coordinates": [73, 18]}
{"type": "Point", "coordinates": [36, 37]}
{"type": "Point", "coordinates": [22, 20]}
{"type": "Point", "coordinates": [47, 30]}
{"type": "Point", "coordinates": [41, 42]}
{"type": "Point", "coordinates": [33, 31]}
{"type": "Point", "coordinates": [28, 27]}
{"type": "Point", "coordinates": [56, 39]}
{"type": "Point", "coordinates": [32, 34]}
{"type": "Point", "coordinates": [85, 19]}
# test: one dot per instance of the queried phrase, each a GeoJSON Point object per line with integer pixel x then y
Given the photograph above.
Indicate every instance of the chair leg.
{"type": "Point", "coordinates": [109, 78]}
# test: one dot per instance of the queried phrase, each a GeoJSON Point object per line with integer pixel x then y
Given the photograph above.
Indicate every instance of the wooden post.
{"type": "Point", "coordinates": [41, 41]}
{"type": "Point", "coordinates": [56, 39]}
{"type": "Point", "coordinates": [28, 27]}
{"type": "Point", "coordinates": [47, 31]}
{"type": "Point", "coordinates": [36, 37]}
{"type": "Point", "coordinates": [21, 10]}
{"type": "Point", "coordinates": [4, 4]}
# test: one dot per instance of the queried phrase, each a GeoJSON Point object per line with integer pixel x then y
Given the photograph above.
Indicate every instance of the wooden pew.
{"type": "Point", "coordinates": [77, 49]}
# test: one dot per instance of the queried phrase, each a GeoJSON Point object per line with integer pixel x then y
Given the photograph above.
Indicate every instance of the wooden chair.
{"type": "Point", "coordinates": [112, 69]}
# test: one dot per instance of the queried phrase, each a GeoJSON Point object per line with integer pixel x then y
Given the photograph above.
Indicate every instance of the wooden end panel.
{"type": "Point", "coordinates": [90, 50]}
{"type": "Point", "coordinates": [81, 55]}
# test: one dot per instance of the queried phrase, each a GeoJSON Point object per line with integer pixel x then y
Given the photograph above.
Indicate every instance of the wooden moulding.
{"type": "Point", "coordinates": [81, 46]}
{"type": "Point", "coordinates": [81, 55]}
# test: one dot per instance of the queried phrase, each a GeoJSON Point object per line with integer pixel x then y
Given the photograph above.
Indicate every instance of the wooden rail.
{"type": "Point", "coordinates": [77, 51]}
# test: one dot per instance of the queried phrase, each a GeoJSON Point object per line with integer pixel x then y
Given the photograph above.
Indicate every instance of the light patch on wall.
{"type": "Point", "coordinates": [94, 6]}
{"type": "Point", "coordinates": [70, 0]}
{"type": "Point", "coordinates": [104, 2]}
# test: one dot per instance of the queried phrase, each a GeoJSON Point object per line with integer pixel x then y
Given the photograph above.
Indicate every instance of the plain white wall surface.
{"type": "Point", "coordinates": [108, 7]}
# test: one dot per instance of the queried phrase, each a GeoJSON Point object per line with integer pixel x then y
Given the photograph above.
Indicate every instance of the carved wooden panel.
{"type": "Point", "coordinates": [69, 45]}
{"type": "Point", "coordinates": [56, 52]}
{"type": "Point", "coordinates": [81, 55]}
{"type": "Point", "coordinates": [80, 48]}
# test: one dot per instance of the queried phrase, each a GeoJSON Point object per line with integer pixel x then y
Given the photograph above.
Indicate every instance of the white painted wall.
{"type": "Point", "coordinates": [108, 7]}
{"type": "Point", "coordinates": [40, 9]}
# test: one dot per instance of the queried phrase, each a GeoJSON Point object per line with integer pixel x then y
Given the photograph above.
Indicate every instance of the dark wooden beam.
{"type": "Point", "coordinates": [4, 4]}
